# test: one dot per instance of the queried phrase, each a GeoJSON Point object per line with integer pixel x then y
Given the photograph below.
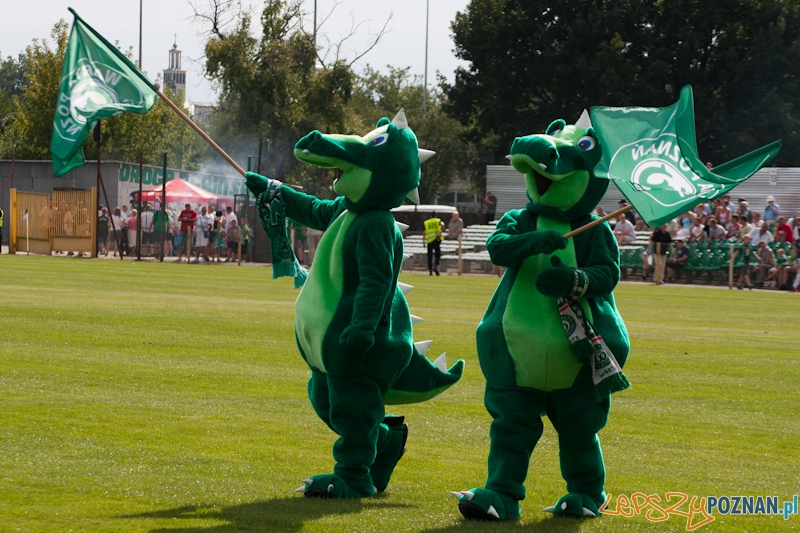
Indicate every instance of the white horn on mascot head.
{"type": "Point", "coordinates": [584, 122]}
{"type": "Point", "coordinates": [399, 120]}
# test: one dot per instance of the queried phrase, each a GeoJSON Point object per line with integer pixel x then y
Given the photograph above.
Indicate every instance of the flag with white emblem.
{"type": "Point", "coordinates": [651, 154]}
{"type": "Point", "coordinates": [97, 81]}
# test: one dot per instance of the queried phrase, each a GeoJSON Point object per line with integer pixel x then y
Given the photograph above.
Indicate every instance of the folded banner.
{"type": "Point", "coordinates": [651, 154]}
{"type": "Point", "coordinates": [97, 81]}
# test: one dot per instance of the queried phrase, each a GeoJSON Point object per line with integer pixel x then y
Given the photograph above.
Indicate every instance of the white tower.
{"type": "Point", "coordinates": [174, 77]}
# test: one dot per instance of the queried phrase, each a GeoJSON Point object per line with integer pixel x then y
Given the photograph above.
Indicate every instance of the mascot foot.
{"type": "Point", "coordinates": [575, 505]}
{"type": "Point", "coordinates": [385, 462]}
{"type": "Point", "coordinates": [485, 504]}
{"type": "Point", "coordinates": [331, 486]}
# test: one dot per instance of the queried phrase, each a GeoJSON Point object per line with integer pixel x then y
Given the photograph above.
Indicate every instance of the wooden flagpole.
{"type": "Point", "coordinates": [599, 221]}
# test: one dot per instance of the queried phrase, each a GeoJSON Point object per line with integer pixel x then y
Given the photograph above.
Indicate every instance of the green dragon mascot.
{"type": "Point", "coordinates": [353, 325]}
{"type": "Point", "coordinates": [551, 341]}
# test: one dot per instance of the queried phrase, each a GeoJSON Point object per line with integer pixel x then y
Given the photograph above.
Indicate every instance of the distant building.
{"type": "Point", "coordinates": [174, 77]}
{"type": "Point", "coordinates": [200, 111]}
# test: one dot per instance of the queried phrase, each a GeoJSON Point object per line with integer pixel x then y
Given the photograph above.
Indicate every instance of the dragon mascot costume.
{"type": "Point", "coordinates": [353, 325]}
{"type": "Point", "coordinates": [551, 341]}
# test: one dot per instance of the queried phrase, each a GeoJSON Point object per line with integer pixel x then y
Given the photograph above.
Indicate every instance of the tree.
{"type": "Point", "coordinates": [534, 61]}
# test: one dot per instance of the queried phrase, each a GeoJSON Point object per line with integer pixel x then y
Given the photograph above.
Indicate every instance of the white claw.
{"type": "Point", "coordinates": [584, 121]}
{"type": "Point", "coordinates": [456, 494]}
{"type": "Point", "coordinates": [330, 488]}
{"type": "Point", "coordinates": [587, 512]}
{"type": "Point", "coordinates": [405, 287]}
{"type": "Point", "coordinates": [492, 511]}
{"type": "Point", "coordinates": [402, 227]}
{"type": "Point", "coordinates": [306, 151]}
{"type": "Point", "coordinates": [413, 196]}
{"type": "Point", "coordinates": [424, 154]}
{"type": "Point", "coordinates": [308, 481]}
{"type": "Point", "coordinates": [415, 320]}
{"type": "Point", "coordinates": [467, 494]}
{"type": "Point", "coordinates": [542, 166]}
{"type": "Point", "coordinates": [422, 346]}
{"type": "Point", "coordinates": [300, 489]}
{"type": "Point", "coordinates": [563, 506]}
{"type": "Point", "coordinates": [548, 509]}
{"type": "Point", "coordinates": [441, 362]}
{"type": "Point", "coordinates": [399, 120]}
{"type": "Point", "coordinates": [508, 157]}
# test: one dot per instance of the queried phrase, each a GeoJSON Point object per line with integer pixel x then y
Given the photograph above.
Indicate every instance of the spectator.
{"type": "Point", "coordinates": [160, 231]}
{"type": "Point", "coordinates": [300, 241]}
{"type": "Point", "coordinates": [700, 213]}
{"type": "Point", "coordinates": [202, 230]}
{"type": "Point", "coordinates": [489, 207]}
{"type": "Point", "coordinates": [672, 227]}
{"type": "Point", "coordinates": [747, 255]}
{"type": "Point", "coordinates": [117, 231]}
{"type": "Point", "coordinates": [148, 239]}
{"type": "Point", "coordinates": [746, 227]}
{"type": "Point", "coordinates": [756, 220]}
{"type": "Point", "coordinates": [125, 213]}
{"type": "Point", "coordinates": [624, 231]}
{"type": "Point", "coordinates": [599, 211]}
{"type": "Point", "coordinates": [743, 211]}
{"type": "Point", "coordinates": [713, 230]}
{"type": "Point", "coordinates": [219, 235]}
{"type": "Point", "coordinates": [723, 212]}
{"type": "Point", "coordinates": [432, 239]}
{"type": "Point", "coordinates": [796, 230]}
{"type": "Point", "coordinates": [233, 235]}
{"type": "Point", "coordinates": [640, 224]}
{"type": "Point", "coordinates": [772, 211]}
{"type": "Point", "coordinates": [454, 227]}
{"type": "Point", "coordinates": [733, 229]}
{"type": "Point", "coordinates": [630, 214]}
{"type": "Point", "coordinates": [781, 270]}
{"type": "Point", "coordinates": [696, 232]}
{"type": "Point", "coordinates": [796, 268]}
{"type": "Point", "coordinates": [230, 217]}
{"type": "Point", "coordinates": [783, 231]}
{"type": "Point", "coordinates": [757, 235]}
{"type": "Point", "coordinates": [102, 231]}
{"type": "Point", "coordinates": [187, 218]}
{"type": "Point", "coordinates": [247, 240]}
{"type": "Point", "coordinates": [132, 226]}
{"type": "Point", "coordinates": [679, 260]}
{"type": "Point", "coordinates": [766, 262]}
{"type": "Point", "coordinates": [660, 239]}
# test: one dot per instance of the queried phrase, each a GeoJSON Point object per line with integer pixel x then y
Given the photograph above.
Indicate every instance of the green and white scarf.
{"type": "Point", "coordinates": [272, 215]}
{"type": "Point", "coordinates": [586, 343]}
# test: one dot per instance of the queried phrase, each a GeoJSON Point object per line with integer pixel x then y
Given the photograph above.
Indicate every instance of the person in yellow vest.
{"type": "Point", "coordinates": [432, 237]}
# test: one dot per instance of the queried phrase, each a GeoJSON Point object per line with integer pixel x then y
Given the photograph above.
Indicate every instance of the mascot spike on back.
{"type": "Point", "coordinates": [353, 324]}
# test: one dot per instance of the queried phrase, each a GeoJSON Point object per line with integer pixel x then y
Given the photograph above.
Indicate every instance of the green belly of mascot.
{"type": "Point", "coordinates": [532, 361]}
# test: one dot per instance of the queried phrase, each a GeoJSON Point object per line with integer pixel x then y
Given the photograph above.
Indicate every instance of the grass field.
{"type": "Point", "coordinates": [162, 397]}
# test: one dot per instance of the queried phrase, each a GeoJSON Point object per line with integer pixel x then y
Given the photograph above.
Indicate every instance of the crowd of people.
{"type": "Point", "coordinates": [214, 235]}
{"type": "Point", "coordinates": [752, 231]}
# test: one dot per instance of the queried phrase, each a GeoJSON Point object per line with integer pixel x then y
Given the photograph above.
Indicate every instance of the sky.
{"type": "Point", "coordinates": [118, 20]}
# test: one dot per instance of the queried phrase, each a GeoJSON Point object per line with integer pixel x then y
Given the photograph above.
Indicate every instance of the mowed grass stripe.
{"type": "Point", "coordinates": [166, 397]}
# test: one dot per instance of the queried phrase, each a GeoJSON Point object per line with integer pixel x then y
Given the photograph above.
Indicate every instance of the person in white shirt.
{"type": "Point", "coordinates": [148, 241]}
{"type": "Point", "coordinates": [624, 231]}
{"type": "Point", "coordinates": [202, 232]}
{"type": "Point", "coordinates": [230, 216]}
{"type": "Point", "coordinates": [762, 234]}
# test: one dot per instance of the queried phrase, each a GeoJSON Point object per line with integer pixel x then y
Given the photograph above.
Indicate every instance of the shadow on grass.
{"type": "Point", "coordinates": [547, 525]}
{"type": "Point", "coordinates": [283, 514]}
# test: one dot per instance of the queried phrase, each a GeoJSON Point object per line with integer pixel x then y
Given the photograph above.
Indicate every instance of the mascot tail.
{"type": "Point", "coordinates": [422, 379]}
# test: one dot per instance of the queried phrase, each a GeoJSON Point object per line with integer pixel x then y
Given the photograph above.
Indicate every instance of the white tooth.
{"type": "Point", "coordinates": [300, 489]}
{"type": "Point", "coordinates": [399, 120]}
{"type": "Point", "coordinates": [308, 481]}
{"type": "Point", "coordinates": [508, 157]}
{"type": "Point", "coordinates": [415, 320]}
{"type": "Point", "coordinates": [402, 227]}
{"type": "Point", "coordinates": [374, 489]}
{"type": "Point", "coordinates": [413, 196]}
{"type": "Point", "coordinates": [563, 506]}
{"type": "Point", "coordinates": [306, 151]}
{"type": "Point", "coordinates": [456, 494]}
{"type": "Point", "coordinates": [584, 122]}
{"type": "Point", "coordinates": [441, 362]}
{"type": "Point", "coordinates": [548, 509]}
{"type": "Point", "coordinates": [587, 512]}
{"type": "Point", "coordinates": [492, 511]}
{"type": "Point", "coordinates": [422, 346]}
{"type": "Point", "coordinates": [330, 488]}
{"type": "Point", "coordinates": [467, 494]}
{"type": "Point", "coordinates": [542, 166]}
{"type": "Point", "coordinates": [405, 287]}
{"type": "Point", "coordinates": [424, 154]}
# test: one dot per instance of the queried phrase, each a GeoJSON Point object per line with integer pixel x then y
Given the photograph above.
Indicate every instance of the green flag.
{"type": "Point", "coordinates": [97, 81]}
{"type": "Point", "coordinates": [651, 154]}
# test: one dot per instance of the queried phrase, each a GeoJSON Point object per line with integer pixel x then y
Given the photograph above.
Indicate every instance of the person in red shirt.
{"type": "Point", "coordinates": [783, 231]}
{"type": "Point", "coordinates": [187, 219]}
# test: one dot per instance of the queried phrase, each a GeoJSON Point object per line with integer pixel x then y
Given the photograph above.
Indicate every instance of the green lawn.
{"type": "Point", "coordinates": [165, 397]}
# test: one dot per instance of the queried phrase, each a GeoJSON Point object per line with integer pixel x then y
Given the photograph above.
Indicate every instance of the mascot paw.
{"type": "Point", "coordinates": [331, 486]}
{"type": "Point", "coordinates": [557, 281]}
{"type": "Point", "coordinates": [259, 184]}
{"type": "Point", "coordinates": [575, 505]}
{"type": "Point", "coordinates": [355, 337]}
{"type": "Point", "coordinates": [547, 242]}
{"type": "Point", "coordinates": [387, 458]}
{"type": "Point", "coordinates": [485, 504]}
